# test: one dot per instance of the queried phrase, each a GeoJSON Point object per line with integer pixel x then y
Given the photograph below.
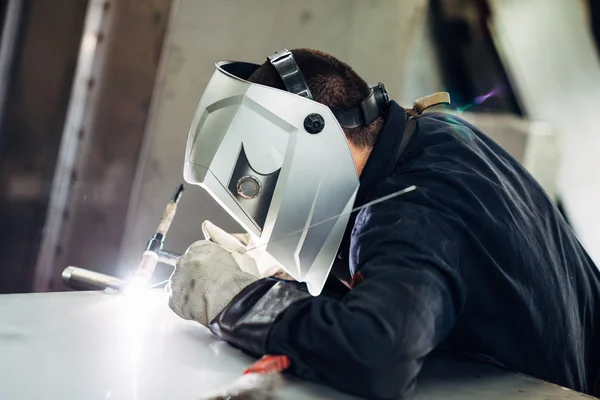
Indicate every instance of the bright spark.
{"type": "Point", "coordinates": [136, 286]}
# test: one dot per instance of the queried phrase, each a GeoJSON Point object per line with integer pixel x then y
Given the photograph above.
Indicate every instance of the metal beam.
{"type": "Point", "coordinates": [101, 145]}
{"type": "Point", "coordinates": [37, 90]}
{"type": "Point", "coordinates": [69, 145]}
{"type": "Point", "coordinates": [10, 29]}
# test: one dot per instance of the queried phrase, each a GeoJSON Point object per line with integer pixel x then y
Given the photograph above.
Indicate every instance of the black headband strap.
{"type": "Point", "coordinates": [366, 111]}
{"type": "Point", "coordinates": [360, 115]}
{"type": "Point", "coordinates": [290, 74]}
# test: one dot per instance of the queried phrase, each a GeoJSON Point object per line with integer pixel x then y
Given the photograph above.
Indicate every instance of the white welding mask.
{"type": "Point", "coordinates": [279, 163]}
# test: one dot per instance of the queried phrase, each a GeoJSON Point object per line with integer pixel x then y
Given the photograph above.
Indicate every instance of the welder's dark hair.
{"type": "Point", "coordinates": [332, 83]}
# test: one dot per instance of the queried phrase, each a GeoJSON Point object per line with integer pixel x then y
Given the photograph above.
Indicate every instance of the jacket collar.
{"type": "Point", "coordinates": [386, 146]}
{"type": "Point", "coordinates": [375, 169]}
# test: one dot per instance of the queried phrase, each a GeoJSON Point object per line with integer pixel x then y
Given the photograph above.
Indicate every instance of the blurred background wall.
{"type": "Point", "coordinates": [96, 98]}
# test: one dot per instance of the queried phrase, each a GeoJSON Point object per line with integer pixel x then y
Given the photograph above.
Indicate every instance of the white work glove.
{"type": "Point", "coordinates": [206, 278]}
{"type": "Point", "coordinates": [243, 243]}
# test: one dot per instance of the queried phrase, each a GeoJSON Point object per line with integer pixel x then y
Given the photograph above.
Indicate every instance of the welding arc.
{"type": "Point", "coordinates": [371, 203]}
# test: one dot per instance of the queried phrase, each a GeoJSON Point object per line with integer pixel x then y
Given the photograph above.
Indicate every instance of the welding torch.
{"type": "Point", "coordinates": [154, 249]}
{"type": "Point", "coordinates": [84, 279]}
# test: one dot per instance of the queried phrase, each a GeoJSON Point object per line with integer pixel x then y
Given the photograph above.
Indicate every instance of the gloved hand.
{"type": "Point", "coordinates": [206, 278]}
{"type": "Point", "coordinates": [243, 243]}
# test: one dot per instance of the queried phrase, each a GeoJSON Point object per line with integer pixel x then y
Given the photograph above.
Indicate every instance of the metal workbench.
{"type": "Point", "coordinates": [95, 345]}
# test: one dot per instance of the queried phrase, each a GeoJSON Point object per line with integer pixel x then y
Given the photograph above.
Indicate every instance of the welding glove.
{"type": "Point", "coordinates": [206, 278]}
{"type": "Point", "coordinates": [243, 243]}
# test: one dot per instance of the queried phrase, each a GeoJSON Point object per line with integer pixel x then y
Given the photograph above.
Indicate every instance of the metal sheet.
{"type": "Point", "coordinates": [95, 345]}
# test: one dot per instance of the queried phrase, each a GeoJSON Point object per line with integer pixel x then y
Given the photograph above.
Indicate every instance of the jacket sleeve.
{"type": "Point", "coordinates": [373, 341]}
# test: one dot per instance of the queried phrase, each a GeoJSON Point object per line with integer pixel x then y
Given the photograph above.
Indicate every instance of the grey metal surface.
{"type": "Point", "coordinates": [95, 345]}
{"type": "Point", "coordinates": [315, 179]}
{"type": "Point", "coordinates": [448, 378]}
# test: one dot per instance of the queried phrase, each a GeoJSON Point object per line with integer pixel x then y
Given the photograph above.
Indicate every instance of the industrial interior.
{"type": "Point", "coordinates": [96, 102]}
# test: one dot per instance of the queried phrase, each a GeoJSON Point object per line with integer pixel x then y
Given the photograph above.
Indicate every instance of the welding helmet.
{"type": "Point", "coordinates": [279, 162]}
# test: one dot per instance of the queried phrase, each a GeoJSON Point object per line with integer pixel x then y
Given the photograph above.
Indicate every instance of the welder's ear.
{"type": "Point", "coordinates": [220, 237]}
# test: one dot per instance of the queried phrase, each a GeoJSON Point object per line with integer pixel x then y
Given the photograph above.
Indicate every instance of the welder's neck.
{"type": "Point", "coordinates": [360, 156]}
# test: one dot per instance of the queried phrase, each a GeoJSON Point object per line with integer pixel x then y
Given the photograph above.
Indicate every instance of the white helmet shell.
{"type": "Point", "coordinates": [279, 164]}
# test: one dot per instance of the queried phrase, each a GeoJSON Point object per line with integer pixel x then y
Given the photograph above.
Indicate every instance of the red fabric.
{"type": "Point", "coordinates": [356, 279]}
{"type": "Point", "coordinates": [269, 364]}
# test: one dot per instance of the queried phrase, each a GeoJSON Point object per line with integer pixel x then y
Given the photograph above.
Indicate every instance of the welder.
{"type": "Point", "coordinates": [476, 261]}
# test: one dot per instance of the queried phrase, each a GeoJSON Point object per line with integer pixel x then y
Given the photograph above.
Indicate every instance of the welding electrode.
{"type": "Point", "coordinates": [151, 254]}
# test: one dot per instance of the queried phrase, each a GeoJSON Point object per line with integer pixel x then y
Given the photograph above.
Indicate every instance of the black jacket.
{"type": "Point", "coordinates": [477, 260]}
